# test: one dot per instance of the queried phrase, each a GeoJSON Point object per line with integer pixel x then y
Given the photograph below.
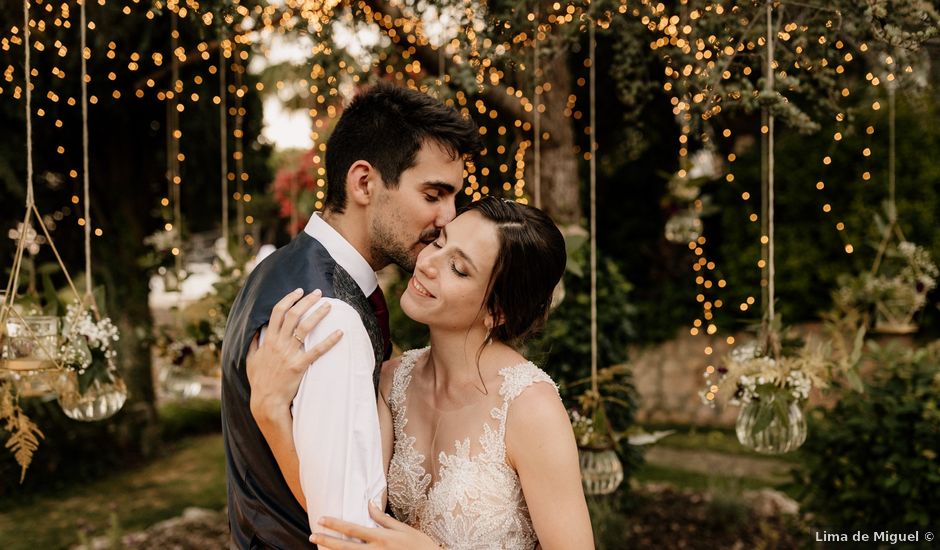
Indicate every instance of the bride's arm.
{"type": "Point", "coordinates": [540, 445]}
{"type": "Point", "coordinates": [386, 427]}
{"type": "Point", "coordinates": [275, 369]}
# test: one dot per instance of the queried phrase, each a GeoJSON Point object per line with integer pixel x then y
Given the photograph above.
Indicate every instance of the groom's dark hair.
{"type": "Point", "coordinates": [386, 126]}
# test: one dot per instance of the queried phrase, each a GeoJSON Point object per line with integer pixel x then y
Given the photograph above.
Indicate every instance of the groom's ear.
{"type": "Point", "coordinates": [361, 179]}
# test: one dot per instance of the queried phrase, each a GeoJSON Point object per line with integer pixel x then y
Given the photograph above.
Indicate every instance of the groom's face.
{"type": "Point", "coordinates": [409, 217]}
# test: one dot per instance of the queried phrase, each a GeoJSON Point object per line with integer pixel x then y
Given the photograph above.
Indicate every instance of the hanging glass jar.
{"type": "Point", "coordinates": [90, 387]}
{"type": "Point", "coordinates": [31, 342]}
{"type": "Point", "coordinates": [103, 396]}
{"type": "Point", "coordinates": [683, 227]}
{"type": "Point", "coordinates": [763, 426]}
{"type": "Point", "coordinates": [601, 471]}
{"type": "Point", "coordinates": [896, 308]}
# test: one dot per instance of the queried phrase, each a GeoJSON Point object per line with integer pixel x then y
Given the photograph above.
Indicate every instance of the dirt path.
{"type": "Point", "coordinates": [710, 462]}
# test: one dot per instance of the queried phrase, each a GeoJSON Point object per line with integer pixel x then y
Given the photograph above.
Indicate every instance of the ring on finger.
{"type": "Point", "coordinates": [298, 337]}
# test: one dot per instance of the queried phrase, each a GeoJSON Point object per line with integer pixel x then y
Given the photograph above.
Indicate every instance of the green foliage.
{"type": "Point", "coordinates": [810, 251]}
{"type": "Point", "coordinates": [564, 346]}
{"type": "Point", "coordinates": [874, 456]}
{"type": "Point", "coordinates": [189, 417]}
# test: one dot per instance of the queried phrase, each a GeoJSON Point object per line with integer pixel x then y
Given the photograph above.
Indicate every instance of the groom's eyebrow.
{"type": "Point", "coordinates": [459, 252]}
{"type": "Point", "coordinates": [441, 186]}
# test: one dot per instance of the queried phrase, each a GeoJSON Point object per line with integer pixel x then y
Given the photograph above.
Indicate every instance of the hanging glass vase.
{"type": "Point", "coordinates": [103, 396]}
{"type": "Point", "coordinates": [180, 382]}
{"type": "Point", "coordinates": [30, 343]}
{"type": "Point", "coordinates": [601, 471]}
{"type": "Point", "coordinates": [779, 435]}
{"type": "Point", "coordinates": [894, 313]}
{"type": "Point", "coordinates": [683, 227]}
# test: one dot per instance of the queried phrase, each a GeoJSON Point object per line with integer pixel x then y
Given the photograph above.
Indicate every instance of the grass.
{"type": "Point", "coordinates": [714, 483]}
{"type": "Point", "coordinates": [191, 473]}
{"type": "Point", "coordinates": [721, 440]}
{"type": "Point", "coordinates": [716, 440]}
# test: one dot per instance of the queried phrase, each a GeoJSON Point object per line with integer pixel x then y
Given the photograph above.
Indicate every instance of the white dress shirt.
{"type": "Point", "coordinates": [336, 422]}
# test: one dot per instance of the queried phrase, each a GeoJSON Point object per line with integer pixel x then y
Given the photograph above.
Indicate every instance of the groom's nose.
{"type": "Point", "coordinates": [446, 212]}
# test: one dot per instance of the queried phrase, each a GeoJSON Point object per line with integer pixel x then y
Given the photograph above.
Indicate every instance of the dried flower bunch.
{"type": "Point", "coordinates": [86, 344]}
{"type": "Point", "coordinates": [776, 365]}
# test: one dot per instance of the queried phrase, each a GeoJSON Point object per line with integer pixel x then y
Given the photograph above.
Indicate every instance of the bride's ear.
{"type": "Point", "coordinates": [492, 321]}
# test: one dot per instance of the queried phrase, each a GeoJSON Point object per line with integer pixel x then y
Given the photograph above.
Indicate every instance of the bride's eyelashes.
{"type": "Point", "coordinates": [453, 264]}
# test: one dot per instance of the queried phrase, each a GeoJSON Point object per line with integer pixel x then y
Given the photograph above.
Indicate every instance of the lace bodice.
{"type": "Point", "coordinates": [474, 502]}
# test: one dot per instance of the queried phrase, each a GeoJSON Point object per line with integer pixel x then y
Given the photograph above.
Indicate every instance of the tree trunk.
{"type": "Point", "coordinates": [559, 160]}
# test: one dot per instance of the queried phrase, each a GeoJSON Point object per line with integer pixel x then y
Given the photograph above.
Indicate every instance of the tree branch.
{"type": "Point", "coordinates": [192, 56]}
{"type": "Point", "coordinates": [497, 96]}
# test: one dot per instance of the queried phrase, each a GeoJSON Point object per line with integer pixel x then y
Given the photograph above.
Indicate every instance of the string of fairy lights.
{"type": "Point", "coordinates": [690, 84]}
{"type": "Point", "coordinates": [706, 47]}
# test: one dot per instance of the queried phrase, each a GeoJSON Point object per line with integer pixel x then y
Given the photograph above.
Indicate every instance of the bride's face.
{"type": "Point", "coordinates": [451, 275]}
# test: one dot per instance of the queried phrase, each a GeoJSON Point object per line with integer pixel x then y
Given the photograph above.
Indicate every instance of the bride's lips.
{"type": "Point", "coordinates": [419, 289]}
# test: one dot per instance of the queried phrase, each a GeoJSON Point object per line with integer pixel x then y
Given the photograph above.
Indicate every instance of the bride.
{"type": "Point", "coordinates": [478, 448]}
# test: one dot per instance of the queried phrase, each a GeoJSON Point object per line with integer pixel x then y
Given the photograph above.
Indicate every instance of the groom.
{"type": "Point", "coordinates": [394, 165]}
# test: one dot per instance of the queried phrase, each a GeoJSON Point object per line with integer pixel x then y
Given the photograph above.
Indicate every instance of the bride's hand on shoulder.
{"type": "Point", "coordinates": [276, 366]}
{"type": "Point", "coordinates": [390, 535]}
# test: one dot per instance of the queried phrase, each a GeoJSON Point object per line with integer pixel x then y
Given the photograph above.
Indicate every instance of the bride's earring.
{"type": "Point", "coordinates": [489, 337]}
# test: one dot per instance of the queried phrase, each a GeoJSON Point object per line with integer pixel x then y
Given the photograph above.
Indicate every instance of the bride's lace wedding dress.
{"type": "Point", "coordinates": [472, 499]}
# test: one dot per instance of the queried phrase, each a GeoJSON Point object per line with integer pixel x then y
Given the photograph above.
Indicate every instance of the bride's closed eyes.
{"type": "Point", "coordinates": [439, 243]}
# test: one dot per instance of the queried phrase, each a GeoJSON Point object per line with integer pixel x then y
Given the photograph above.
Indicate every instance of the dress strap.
{"type": "Point", "coordinates": [515, 380]}
{"type": "Point", "coordinates": [519, 377]}
{"type": "Point", "coordinates": [401, 378]}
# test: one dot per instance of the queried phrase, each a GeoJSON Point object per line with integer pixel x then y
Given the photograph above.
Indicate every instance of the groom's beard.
{"type": "Point", "coordinates": [386, 249]}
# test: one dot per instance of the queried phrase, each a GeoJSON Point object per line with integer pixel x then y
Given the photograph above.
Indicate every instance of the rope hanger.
{"type": "Point", "coordinates": [30, 206]}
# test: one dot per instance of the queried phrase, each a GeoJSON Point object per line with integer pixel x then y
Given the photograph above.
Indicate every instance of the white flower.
{"type": "Point", "coordinates": [81, 334]}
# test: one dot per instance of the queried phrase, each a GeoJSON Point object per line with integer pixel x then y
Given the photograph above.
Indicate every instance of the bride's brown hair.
{"type": "Point", "coordinates": [530, 262]}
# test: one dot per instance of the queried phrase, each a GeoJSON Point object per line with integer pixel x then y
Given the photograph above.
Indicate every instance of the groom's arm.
{"type": "Point", "coordinates": [335, 424]}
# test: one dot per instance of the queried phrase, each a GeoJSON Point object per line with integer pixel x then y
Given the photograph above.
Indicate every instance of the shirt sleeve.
{"type": "Point", "coordinates": [336, 424]}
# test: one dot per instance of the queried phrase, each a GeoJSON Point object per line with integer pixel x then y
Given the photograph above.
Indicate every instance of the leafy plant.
{"type": "Point", "coordinates": [875, 455]}
{"type": "Point", "coordinates": [24, 434]}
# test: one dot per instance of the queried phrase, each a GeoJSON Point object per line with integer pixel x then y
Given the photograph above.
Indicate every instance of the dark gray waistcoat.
{"type": "Point", "coordinates": [262, 510]}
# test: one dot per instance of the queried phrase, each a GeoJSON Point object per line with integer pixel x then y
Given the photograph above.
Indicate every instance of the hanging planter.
{"type": "Point", "coordinates": [30, 343]}
{"type": "Point", "coordinates": [895, 314]}
{"type": "Point", "coordinates": [29, 346]}
{"type": "Point", "coordinates": [100, 399]}
{"type": "Point", "coordinates": [771, 389]}
{"type": "Point", "coordinates": [601, 469]}
{"type": "Point", "coordinates": [683, 227]}
{"type": "Point", "coordinates": [900, 291]}
{"type": "Point", "coordinates": [896, 289]}
{"type": "Point", "coordinates": [772, 426]}
{"type": "Point", "coordinates": [90, 388]}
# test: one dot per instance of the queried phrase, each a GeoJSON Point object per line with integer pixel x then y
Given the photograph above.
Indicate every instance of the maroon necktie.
{"type": "Point", "coordinates": [380, 308]}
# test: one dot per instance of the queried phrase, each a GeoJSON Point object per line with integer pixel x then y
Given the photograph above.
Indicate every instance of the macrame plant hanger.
{"type": "Point", "coordinates": [8, 311]}
{"type": "Point", "coordinates": [771, 338]}
{"type": "Point", "coordinates": [223, 139]}
{"type": "Point", "coordinates": [50, 358]}
{"type": "Point", "coordinates": [601, 469]}
{"type": "Point", "coordinates": [536, 115]}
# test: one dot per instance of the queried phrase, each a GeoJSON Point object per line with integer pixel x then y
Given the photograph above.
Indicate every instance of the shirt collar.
{"type": "Point", "coordinates": [344, 253]}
